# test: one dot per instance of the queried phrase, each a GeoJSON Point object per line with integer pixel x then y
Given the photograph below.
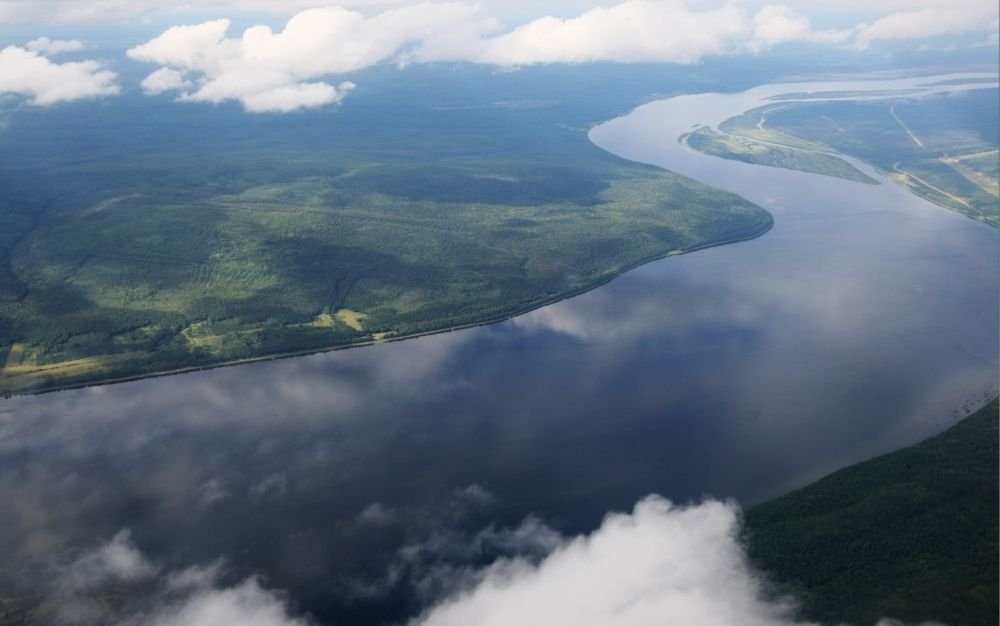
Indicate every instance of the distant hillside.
{"type": "Point", "coordinates": [911, 535]}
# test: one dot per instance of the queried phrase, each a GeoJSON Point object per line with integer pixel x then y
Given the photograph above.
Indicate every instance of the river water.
{"type": "Point", "coordinates": [865, 320]}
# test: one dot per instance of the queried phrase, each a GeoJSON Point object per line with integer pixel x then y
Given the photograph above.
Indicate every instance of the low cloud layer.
{"type": "Point", "coordinates": [201, 603]}
{"type": "Point", "coordinates": [27, 72]}
{"type": "Point", "coordinates": [281, 71]}
{"type": "Point", "coordinates": [284, 70]}
{"type": "Point", "coordinates": [75, 11]}
{"type": "Point", "coordinates": [666, 31]}
{"type": "Point", "coordinates": [271, 71]}
{"type": "Point", "coordinates": [930, 22]}
{"type": "Point", "coordinates": [196, 596]}
{"type": "Point", "coordinates": [44, 45]}
{"type": "Point", "coordinates": [661, 564]}
{"type": "Point", "coordinates": [114, 562]}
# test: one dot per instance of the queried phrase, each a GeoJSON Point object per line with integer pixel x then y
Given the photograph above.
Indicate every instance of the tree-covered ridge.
{"type": "Point", "coordinates": [165, 246]}
{"type": "Point", "coordinates": [911, 535]}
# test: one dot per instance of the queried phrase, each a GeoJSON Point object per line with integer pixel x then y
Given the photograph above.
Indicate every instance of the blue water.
{"type": "Point", "coordinates": [865, 320]}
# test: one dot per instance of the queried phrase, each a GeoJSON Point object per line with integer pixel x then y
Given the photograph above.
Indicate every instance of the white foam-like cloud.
{"type": "Point", "coordinates": [930, 22]}
{"type": "Point", "coordinates": [281, 71]}
{"type": "Point", "coordinates": [75, 11]}
{"type": "Point", "coordinates": [286, 70]}
{"type": "Point", "coordinates": [27, 73]}
{"type": "Point", "coordinates": [195, 596]}
{"type": "Point", "coordinates": [776, 24]}
{"type": "Point", "coordinates": [44, 45]}
{"type": "Point", "coordinates": [634, 31]}
{"type": "Point", "coordinates": [163, 80]}
{"type": "Point", "coordinates": [271, 71]}
{"type": "Point", "coordinates": [116, 561]}
{"type": "Point", "coordinates": [664, 31]}
{"type": "Point", "coordinates": [661, 564]}
{"type": "Point", "coordinates": [247, 604]}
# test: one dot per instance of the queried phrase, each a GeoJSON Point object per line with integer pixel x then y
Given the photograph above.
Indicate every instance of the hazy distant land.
{"type": "Point", "coordinates": [942, 148]}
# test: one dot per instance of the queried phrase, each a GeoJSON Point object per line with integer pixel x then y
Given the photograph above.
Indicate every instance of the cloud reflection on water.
{"type": "Point", "coordinates": [857, 325]}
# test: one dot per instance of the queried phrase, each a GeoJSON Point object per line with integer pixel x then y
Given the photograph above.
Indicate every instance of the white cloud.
{"type": "Point", "coordinates": [91, 11]}
{"type": "Point", "coordinates": [116, 561]}
{"type": "Point", "coordinates": [27, 73]}
{"type": "Point", "coordinates": [270, 71]}
{"type": "Point", "coordinates": [192, 47]}
{"type": "Point", "coordinates": [44, 45]}
{"type": "Point", "coordinates": [289, 69]}
{"type": "Point", "coordinates": [930, 22]}
{"type": "Point", "coordinates": [96, 11]}
{"type": "Point", "coordinates": [163, 80]}
{"type": "Point", "coordinates": [776, 24]}
{"type": "Point", "coordinates": [276, 71]}
{"type": "Point", "coordinates": [661, 564]}
{"type": "Point", "coordinates": [532, 537]}
{"type": "Point", "coordinates": [279, 71]}
{"type": "Point", "coordinates": [638, 30]}
{"type": "Point", "coordinates": [194, 596]}
{"type": "Point", "coordinates": [247, 604]}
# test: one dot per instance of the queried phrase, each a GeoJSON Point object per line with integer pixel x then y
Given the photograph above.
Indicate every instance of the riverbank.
{"type": "Point", "coordinates": [910, 535]}
{"type": "Point", "coordinates": [15, 392]}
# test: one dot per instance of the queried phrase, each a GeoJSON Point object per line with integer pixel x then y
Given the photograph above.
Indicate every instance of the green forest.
{"type": "Point", "coordinates": [942, 148]}
{"type": "Point", "coordinates": [130, 245]}
{"type": "Point", "coordinates": [911, 535]}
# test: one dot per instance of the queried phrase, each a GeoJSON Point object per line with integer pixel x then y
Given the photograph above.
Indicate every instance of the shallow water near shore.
{"type": "Point", "coordinates": [865, 320]}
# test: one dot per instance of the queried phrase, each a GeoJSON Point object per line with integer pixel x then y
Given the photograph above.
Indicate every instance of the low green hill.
{"type": "Point", "coordinates": [911, 535]}
{"type": "Point", "coordinates": [137, 241]}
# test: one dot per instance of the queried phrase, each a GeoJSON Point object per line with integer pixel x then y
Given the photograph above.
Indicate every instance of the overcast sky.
{"type": "Point", "coordinates": [45, 11]}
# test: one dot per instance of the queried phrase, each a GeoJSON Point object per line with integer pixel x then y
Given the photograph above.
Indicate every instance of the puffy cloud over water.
{"type": "Point", "coordinates": [115, 561]}
{"type": "Point", "coordinates": [195, 596]}
{"type": "Point", "coordinates": [659, 564]}
{"type": "Point", "coordinates": [247, 603]}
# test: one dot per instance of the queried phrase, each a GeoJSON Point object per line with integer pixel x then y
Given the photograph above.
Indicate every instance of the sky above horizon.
{"type": "Point", "coordinates": [278, 56]}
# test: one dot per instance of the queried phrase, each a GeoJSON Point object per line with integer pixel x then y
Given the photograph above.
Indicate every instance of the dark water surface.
{"type": "Point", "coordinates": [865, 320]}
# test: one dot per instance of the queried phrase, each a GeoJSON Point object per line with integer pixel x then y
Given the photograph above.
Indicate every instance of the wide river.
{"type": "Point", "coordinates": [867, 319]}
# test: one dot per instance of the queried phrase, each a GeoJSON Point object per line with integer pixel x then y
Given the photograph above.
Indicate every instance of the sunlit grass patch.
{"type": "Point", "coordinates": [353, 319]}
